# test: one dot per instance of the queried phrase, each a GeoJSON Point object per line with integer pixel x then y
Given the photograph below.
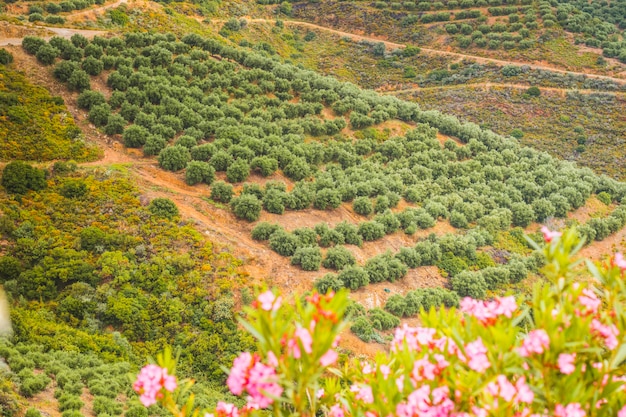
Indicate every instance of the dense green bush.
{"type": "Point", "coordinates": [385, 267]}
{"type": "Point", "coordinates": [222, 192]}
{"type": "Point", "coordinates": [163, 207]}
{"type": "Point", "coordinates": [264, 230]}
{"type": "Point", "coordinates": [363, 206]}
{"type": "Point", "coordinates": [198, 171]}
{"type": "Point", "coordinates": [135, 136]}
{"type": "Point", "coordinates": [99, 114]}
{"type": "Point", "coordinates": [381, 320]}
{"type": "Point", "coordinates": [469, 284]}
{"type": "Point", "coordinates": [329, 282]}
{"type": "Point", "coordinates": [338, 257]}
{"type": "Point", "coordinates": [246, 207]}
{"type": "Point", "coordinates": [309, 258]}
{"type": "Point", "coordinates": [371, 231]}
{"type": "Point", "coordinates": [19, 177]}
{"type": "Point", "coordinates": [174, 158]}
{"type": "Point", "coordinates": [353, 277]}
{"type": "Point", "coordinates": [283, 243]}
{"type": "Point", "coordinates": [87, 99]}
{"type": "Point", "coordinates": [5, 57]}
{"type": "Point", "coordinates": [238, 171]}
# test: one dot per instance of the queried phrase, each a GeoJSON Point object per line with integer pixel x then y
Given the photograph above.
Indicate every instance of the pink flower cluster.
{"type": "Point", "coordinates": [619, 261]}
{"type": "Point", "coordinates": [268, 301]}
{"type": "Point", "coordinates": [590, 301]}
{"type": "Point", "coordinates": [549, 235]}
{"type": "Point", "coordinates": [488, 311]}
{"type": "Point", "coordinates": [423, 402]}
{"type": "Point", "coordinates": [301, 337]}
{"type": "Point", "coordinates": [570, 410]}
{"type": "Point", "coordinates": [477, 356]}
{"type": "Point", "coordinates": [536, 342]}
{"type": "Point", "coordinates": [566, 363]}
{"type": "Point", "coordinates": [608, 333]}
{"type": "Point", "coordinates": [224, 410]}
{"type": "Point", "coordinates": [257, 379]}
{"type": "Point", "coordinates": [151, 382]}
{"type": "Point", "coordinates": [503, 388]}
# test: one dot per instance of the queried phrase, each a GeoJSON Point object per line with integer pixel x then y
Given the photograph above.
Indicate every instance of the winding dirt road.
{"type": "Point", "coordinates": [488, 86]}
{"type": "Point", "coordinates": [393, 45]}
{"type": "Point", "coordinates": [67, 32]}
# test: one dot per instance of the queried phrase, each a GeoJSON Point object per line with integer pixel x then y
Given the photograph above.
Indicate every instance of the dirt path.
{"type": "Point", "coordinates": [89, 12]}
{"type": "Point", "coordinates": [488, 86]}
{"type": "Point", "coordinates": [62, 32]}
{"type": "Point", "coordinates": [393, 45]}
{"type": "Point", "coordinates": [66, 32]}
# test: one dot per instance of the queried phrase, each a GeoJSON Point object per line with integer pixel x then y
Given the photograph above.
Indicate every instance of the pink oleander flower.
{"type": "Point", "coordinates": [365, 394]}
{"type": "Point", "coordinates": [488, 312]}
{"type": "Point", "coordinates": [151, 382]}
{"type": "Point", "coordinates": [589, 299]}
{"type": "Point", "coordinates": [619, 261]}
{"type": "Point", "coordinates": [549, 235]}
{"type": "Point", "coordinates": [536, 342]}
{"type": "Point", "coordinates": [622, 412]}
{"type": "Point", "coordinates": [385, 370]}
{"type": "Point", "coordinates": [262, 386]}
{"type": "Point", "coordinates": [226, 410]}
{"type": "Point", "coordinates": [423, 370]}
{"type": "Point", "coordinates": [268, 301]}
{"type": "Point", "coordinates": [415, 337]}
{"type": "Point", "coordinates": [566, 363]}
{"type": "Point", "coordinates": [608, 333]}
{"type": "Point", "coordinates": [422, 402]}
{"type": "Point", "coordinates": [502, 388]}
{"type": "Point", "coordinates": [238, 376]}
{"type": "Point", "coordinates": [257, 379]}
{"type": "Point", "coordinates": [329, 358]}
{"type": "Point", "coordinates": [524, 393]}
{"type": "Point", "coordinates": [305, 339]}
{"type": "Point", "coordinates": [570, 410]}
{"type": "Point", "coordinates": [319, 393]}
{"type": "Point", "coordinates": [476, 354]}
{"type": "Point", "coordinates": [336, 411]}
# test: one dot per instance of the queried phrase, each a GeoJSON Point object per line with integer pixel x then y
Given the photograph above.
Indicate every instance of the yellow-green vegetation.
{"type": "Point", "coordinates": [35, 125]}
{"type": "Point", "coordinates": [587, 128]}
{"type": "Point", "coordinates": [90, 268]}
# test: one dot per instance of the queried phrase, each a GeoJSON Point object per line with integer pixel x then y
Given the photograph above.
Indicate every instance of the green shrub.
{"type": "Point", "coordinates": [79, 81]}
{"type": "Point", "coordinates": [371, 231]}
{"type": "Point", "coordinates": [87, 99]}
{"type": "Point", "coordinates": [5, 57]}
{"type": "Point", "coordinates": [363, 206]}
{"type": "Point", "coordinates": [469, 284]}
{"type": "Point", "coordinates": [385, 267]}
{"type": "Point", "coordinates": [115, 125]}
{"type": "Point", "coordinates": [32, 412]}
{"type": "Point", "coordinates": [47, 54]}
{"type": "Point", "coordinates": [163, 207]}
{"type": "Point", "coordinates": [284, 243]}
{"type": "Point", "coordinates": [309, 258]}
{"type": "Point", "coordinates": [99, 114]}
{"type": "Point", "coordinates": [338, 257]}
{"type": "Point", "coordinates": [174, 158]}
{"type": "Point", "coordinates": [31, 44]}
{"type": "Point", "coordinates": [104, 405]}
{"type": "Point", "coordinates": [533, 91]}
{"type": "Point", "coordinates": [353, 277]}
{"type": "Point", "coordinates": [381, 320]}
{"type": "Point", "coordinates": [73, 188]}
{"type": "Point", "coordinates": [246, 207]}
{"type": "Point", "coordinates": [264, 230]}
{"type": "Point", "coordinates": [19, 177]}
{"type": "Point", "coordinates": [198, 171]}
{"type": "Point", "coordinates": [222, 192]}
{"type": "Point", "coordinates": [329, 282]}
{"type": "Point", "coordinates": [363, 329]}
{"type": "Point", "coordinates": [238, 171]}
{"type": "Point", "coordinates": [135, 136]}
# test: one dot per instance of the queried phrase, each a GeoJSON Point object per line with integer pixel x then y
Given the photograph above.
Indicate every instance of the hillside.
{"type": "Point", "coordinates": [174, 172]}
